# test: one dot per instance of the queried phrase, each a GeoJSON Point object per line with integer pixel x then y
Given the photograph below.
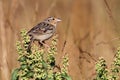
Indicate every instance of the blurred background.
{"type": "Point", "coordinates": [89, 27]}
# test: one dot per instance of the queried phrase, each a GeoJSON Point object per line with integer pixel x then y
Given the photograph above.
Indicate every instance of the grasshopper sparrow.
{"type": "Point", "coordinates": [43, 31]}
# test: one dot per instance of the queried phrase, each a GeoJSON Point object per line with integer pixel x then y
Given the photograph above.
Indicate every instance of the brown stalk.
{"type": "Point", "coordinates": [109, 12]}
{"type": "Point", "coordinates": [4, 66]}
{"type": "Point", "coordinates": [53, 4]}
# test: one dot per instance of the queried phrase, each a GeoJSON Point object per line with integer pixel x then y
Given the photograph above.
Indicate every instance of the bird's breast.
{"type": "Point", "coordinates": [42, 37]}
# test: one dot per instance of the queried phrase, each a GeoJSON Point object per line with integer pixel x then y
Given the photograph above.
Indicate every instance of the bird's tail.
{"type": "Point", "coordinates": [29, 45]}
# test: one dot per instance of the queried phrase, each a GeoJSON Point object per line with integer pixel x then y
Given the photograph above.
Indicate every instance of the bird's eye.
{"type": "Point", "coordinates": [53, 19]}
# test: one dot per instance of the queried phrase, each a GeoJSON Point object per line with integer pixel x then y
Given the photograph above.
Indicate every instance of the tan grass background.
{"type": "Point", "coordinates": [90, 27]}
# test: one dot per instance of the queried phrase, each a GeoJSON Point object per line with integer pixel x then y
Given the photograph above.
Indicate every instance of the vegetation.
{"type": "Point", "coordinates": [103, 73]}
{"type": "Point", "coordinates": [39, 63]}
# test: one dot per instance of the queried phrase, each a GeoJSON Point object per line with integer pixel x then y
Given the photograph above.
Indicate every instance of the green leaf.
{"type": "Point", "coordinates": [66, 76]}
{"type": "Point", "coordinates": [21, 59]}
{"type": "Point", "coordinates": [44, 64]}
{"type": "Point", "coordinates": [15, 75]}
{"type": "Point", "coordinates": [23, 66]}
{"type": "Point", "coordinates": [30, 74]}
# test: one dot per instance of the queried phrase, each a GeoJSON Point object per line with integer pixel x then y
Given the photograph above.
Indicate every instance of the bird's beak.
{"type": "Point", "coordinates": [58, 20]}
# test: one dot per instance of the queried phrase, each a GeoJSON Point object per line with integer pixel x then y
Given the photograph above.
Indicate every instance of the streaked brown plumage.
{"type": "Point", "coordinates": [43, 31]}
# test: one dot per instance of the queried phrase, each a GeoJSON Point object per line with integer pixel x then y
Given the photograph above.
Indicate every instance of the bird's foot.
{"type": "Point", "coordinates": [43, 44]}
{"type": "Point", "coordinates": [46, 46]}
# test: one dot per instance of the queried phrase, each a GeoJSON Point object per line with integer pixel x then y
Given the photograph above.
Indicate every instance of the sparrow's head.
{"type": "Point", "coordinates": [52, 20]}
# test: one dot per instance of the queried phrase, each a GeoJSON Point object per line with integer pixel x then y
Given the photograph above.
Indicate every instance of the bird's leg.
{"type": "Point", "coordinates": [43, 43]}
{"type": "Point", "coordinates": [40, 43]}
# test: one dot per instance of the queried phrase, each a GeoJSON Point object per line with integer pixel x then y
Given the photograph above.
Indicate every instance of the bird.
{"type": "Point", "coordinates": [43, 31]}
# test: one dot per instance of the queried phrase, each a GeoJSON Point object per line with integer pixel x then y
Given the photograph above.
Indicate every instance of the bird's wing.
{"type": "Point", "coordinates": [42, 28]}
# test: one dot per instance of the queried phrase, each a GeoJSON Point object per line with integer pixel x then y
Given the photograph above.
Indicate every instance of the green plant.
{"type": "Point", "coordinates": [101, 70]}
{"type": "Point", "coordinates": [39, 63]}
{"type": "Point", "coordinates": [108, 74]}
{"type": "Point", "coordinates": [115, 70]}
